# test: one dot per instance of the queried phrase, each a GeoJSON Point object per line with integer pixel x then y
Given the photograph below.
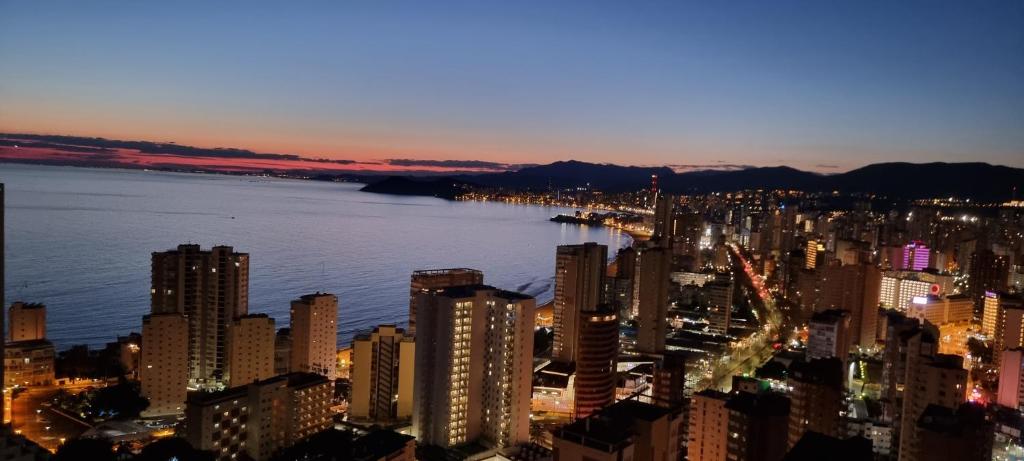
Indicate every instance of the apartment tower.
{"type": "Point", "coordinates": [435, 279]}
{"type": "Point", "coordinates": [382, 374]}
{"type": "Point", "coordinates": [210, 288]}
{"type": "Point", "coordinates": [250, 350]}
{"type": "Point", "coordinates": [474, 366]}
{"type": "Point", "coordinates": [314, 347]}
{"type": "Point", "coordinates": [579, 280]}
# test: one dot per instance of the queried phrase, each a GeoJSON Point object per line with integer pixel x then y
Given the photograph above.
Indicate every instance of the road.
{"type": "Point", "coordinates": [755, 350]}
{"type": "Point", "coordinates": [32, 416]}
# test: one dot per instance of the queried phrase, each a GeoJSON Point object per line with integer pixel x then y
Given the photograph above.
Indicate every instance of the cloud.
{"type": "Point", "coordinates": [469, 164]}
{"type": "Point", "coordinates": [719, 166]}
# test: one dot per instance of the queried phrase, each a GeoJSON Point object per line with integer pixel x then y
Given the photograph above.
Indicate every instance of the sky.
{"type": "Point", "coordinates": [824, 86]}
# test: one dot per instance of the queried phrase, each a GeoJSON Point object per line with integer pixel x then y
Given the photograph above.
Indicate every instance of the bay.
{"type": "Point", "coordinates": [79, 240]}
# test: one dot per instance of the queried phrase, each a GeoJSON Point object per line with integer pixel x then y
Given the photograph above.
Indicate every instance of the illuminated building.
{"type": "Point", "coordinates": [899, 288]}
{"type": "Point", "coordinates": [579, 280]}
{"type": "Point", "coordinates": [314, 332]}
{"type": "Point", "coordinates": [941, 310]}
{"type": "Point", "coordinates": [811, 253]}
{"type": "Point", "coordinates": [709, 426]}
{"type": "Point", "coordinates": [915, 256]}
{"type": "Point", "coordinates": [554, 388]}
{"type": "Point", "coordinates": [720, 294]}
{"type": "Point", "coordinates": [382, 375]}
{"type": "Point", "coordinates": [261, 418]}
{"type": "Point", "coordinates": [1005, 315]}
{"type": "Point", "coordinates": [164, 371]}
{"type": "Point", "coordinates": [597, 351]}
{"type": "Point", "coordinates": [433, 279]}
{"type": "Point", "coordinates": [26, 322]}
{"type": "Point", "coordinates": [250, 354]}
{"type": "Point", "coordinates": [474, 366]}
{"type": "Point", "coordinates": [29, 363]}
{"type": "Point", "coordinates": [210, 288]}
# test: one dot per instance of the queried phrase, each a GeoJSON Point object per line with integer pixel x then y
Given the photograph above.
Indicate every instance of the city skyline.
{"type": "Point", "coordinates": [822, 88]}
{"type": "Point", "coordinates": [494, 231]}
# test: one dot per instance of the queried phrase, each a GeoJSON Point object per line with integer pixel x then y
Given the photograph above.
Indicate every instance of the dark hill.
{"type": "Point", "coordinates": [443, 187]}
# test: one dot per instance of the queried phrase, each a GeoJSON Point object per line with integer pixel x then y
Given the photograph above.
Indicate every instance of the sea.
{"type": "Point", "coordinates": [79, 240]}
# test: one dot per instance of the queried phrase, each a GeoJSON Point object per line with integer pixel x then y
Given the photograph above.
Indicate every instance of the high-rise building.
{"type": "Point", "coordinates": [579, 279]}
{"type": "Point", "coordinates": [260, 418]}
{"type": "Point", "coordinates": [816, 398]}
{"type": "Point", "coordinates": [1011, 379]}
{"type": "Point", "coordinates": [709, 426]}
{"type": "Point", "coordinates": [663, 229]}
{"type": "Point", "coordinates": [210, 288]}
{"type": "Point", "coordinates": [828, 335]}
{"type": "Point", "coordinates": [596, 353]}
{"type": "Point", "coordinates": [164, 371]}
{"type": "Point", "coordinates": [915, 256]}
{"type": "Point", "coordinates": [382, 375]}
{"type": "Point", "coordinates": [719, 294]}
{"type": "Point", "coordinates": [1004, 315]}
{"type": "Point", "coordinates": [668, 383]}
{"type": "Point", "coordinates": [26, 322]}
{"type": "Point", "coordinates": [854, 289]}
{"type": "Point", "coordinates": [988, 272]}
{"type": "Point", "coordinates": [650, 298]}
{"type": "Point", "coordinates": [931, 380]}
{"type": "Point", "coordinates": [900, 288]}
{"type": "Point", "coordinates": [474, 356]}
{"type": "Point", "coordinates": [811, 254]}
{"type": "Point", "coordinates": [758, 426]}
{"type": "Point", "coordinates": [250, 354]}
{"type": "Point", "coordinates": [962, 433]}
{"type": "Point", "coordinates": [435, 279]}
{"type": "Point", "coordinates": [627, 430]}
{"type": "Point", "coordinates": [940, 310]}
{"type": "Point", "coordinates": [314, 332]}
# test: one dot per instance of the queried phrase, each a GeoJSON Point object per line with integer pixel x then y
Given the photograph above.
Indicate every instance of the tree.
{"type": "Point", "coordinates": [173, 448]}
{"type": "Point", "coordinates": [80, 449]}
{"type": "Point", "coordinates": [122, 400]}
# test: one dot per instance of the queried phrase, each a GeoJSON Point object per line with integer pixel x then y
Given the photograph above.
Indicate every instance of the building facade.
{"type": "Point", "coordinates": [382, 375]}
{"type": "Point", "coordinates": [210, 288]}
{"type": "Point", "coordinates": [435, 279]}
{"type": "Point", "coordinates": [164, 371]}
{"type": "Point", "coordinates": [261, 418]}
{"type": "Point", "coordinates": [250, 354]}
{"type": "Point", "coordinates": [579, 280]}
{"type": "Point", "coordinates": [474, 355]}
{"type": "Point", "coordinates": [314, 335]}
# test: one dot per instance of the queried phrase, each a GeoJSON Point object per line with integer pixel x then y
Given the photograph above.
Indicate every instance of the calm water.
{"type": "Point", "coordinates": [79, 240]}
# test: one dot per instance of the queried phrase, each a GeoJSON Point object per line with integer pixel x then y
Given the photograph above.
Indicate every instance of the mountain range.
{"type": "Point", "coordinates": [974, 180]}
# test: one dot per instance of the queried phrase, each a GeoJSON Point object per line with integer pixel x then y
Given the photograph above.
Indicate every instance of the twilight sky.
{"type": "Point", "coordinates": [826, 86]}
